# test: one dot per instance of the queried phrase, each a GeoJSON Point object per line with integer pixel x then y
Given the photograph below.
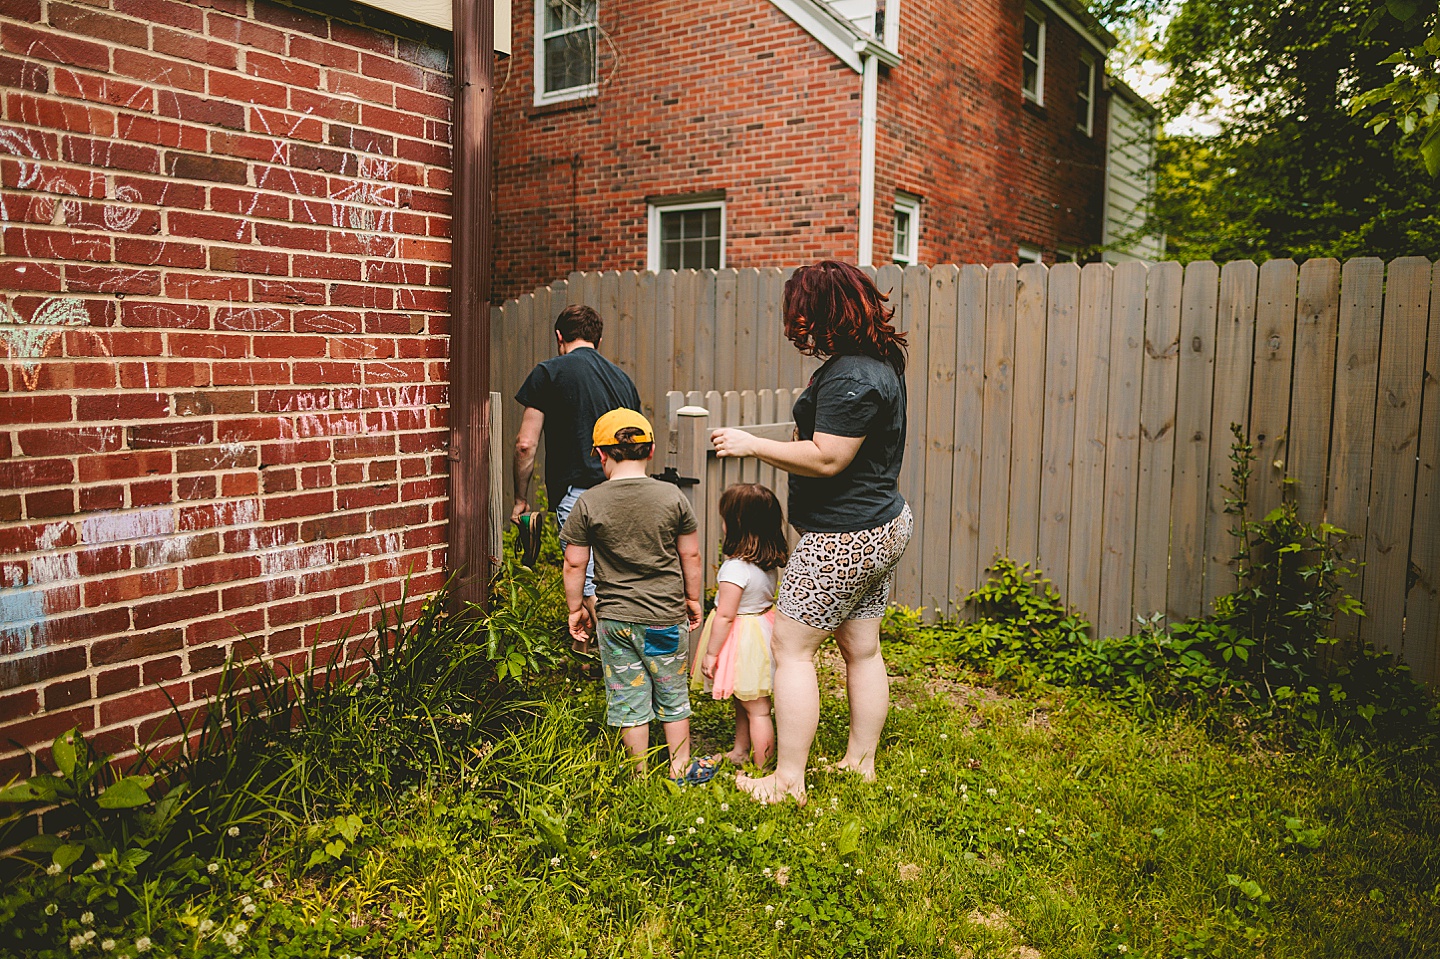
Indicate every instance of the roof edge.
{"type": "Point", "coordinates": [1083, 22]}
{"type": "Point", "coordinates": [834, 32]}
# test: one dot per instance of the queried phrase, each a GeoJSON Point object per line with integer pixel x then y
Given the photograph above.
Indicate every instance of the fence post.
{"type": "Point", "coordinates": [497, 483]}
{"type": "Point", "coordinates": [694, 438]}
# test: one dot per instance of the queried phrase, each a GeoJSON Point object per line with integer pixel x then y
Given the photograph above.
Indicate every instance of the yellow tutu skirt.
{"type": "Point", "coordinates": [745, 669]}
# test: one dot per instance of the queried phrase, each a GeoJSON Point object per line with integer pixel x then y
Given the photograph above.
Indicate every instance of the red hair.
{"type": "Point", "coordinates": [834, 309]}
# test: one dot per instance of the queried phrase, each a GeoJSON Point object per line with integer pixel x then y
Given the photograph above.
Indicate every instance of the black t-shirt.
{"type": "Point", "coordinates": [573, 391]}
{"type": "Point", "coordinates": [852, 396]}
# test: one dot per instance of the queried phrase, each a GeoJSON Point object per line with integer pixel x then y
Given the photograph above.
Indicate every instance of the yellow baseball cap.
{"type": "Point", "coordinates": [616, 420]}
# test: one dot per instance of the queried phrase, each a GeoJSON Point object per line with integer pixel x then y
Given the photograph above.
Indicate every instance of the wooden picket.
{"type": "Point", "coordinates": [1081, 418]}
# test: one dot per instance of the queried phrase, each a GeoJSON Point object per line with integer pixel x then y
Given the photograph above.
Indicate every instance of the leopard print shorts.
{"type": "Point", "coordinates": [832, 577]}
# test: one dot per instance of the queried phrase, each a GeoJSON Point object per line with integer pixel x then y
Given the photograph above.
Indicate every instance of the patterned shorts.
{"type": "Point", "coordinates": [645, 674]}
{"type": "Point", "coordinates": [833, 577]}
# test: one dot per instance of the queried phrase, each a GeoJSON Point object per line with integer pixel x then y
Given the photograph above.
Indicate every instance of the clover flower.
{"type": "Point", "coordinates": [690, 831]}
{"type": "Point", "coordinates": [1122, 948]}
{"type": "Point", "coordinates": [766, 871]}
{"type": "Point", "coordinates": [53, 869]}
{"type": "Point", "coordinates": [233, 831]}
{"type": "Point", "coordinates": [142, 944]}
{"type": "Point", "coordinates": [724, 807]}
{"type": "Point", "coordinates": [669, 840]}
{"type": "Point", "coordinates": [213, 868]}
{"type": "Point", "coordinates": [206, 925]}
{"type": "Point", "coordinates": [769, 909]}
{"type": "Point", "coordinates": [108, 945]}
{"type": "Point", "coordinates": [86, 918]}
{"type": "Point", "coordinates": [97, 865]}
{"type": "Point", "coordinates": [699, 820]}
{"type": "Point", "coordinates": [77, 943]}
{"type": "Point", "coordinates": [268, 884]}
{"type": "Point", "coordinates": [992, 791]}
{"type": "Point", "coordinates": [779, 923]}
{"type": "Point", "coordinates": [944, 736]}
{"type": "Point", "coordinates": [782, 876]}
{"type": "Point", "coordinates": [554, 860]}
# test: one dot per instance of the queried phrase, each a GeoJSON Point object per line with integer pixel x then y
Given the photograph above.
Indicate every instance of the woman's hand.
{"type": "Point", "coordinates": [580, 624]}
{"type": "Point", "coordinates": [708, 664]}
{"type": "Point", "coordinates": [729, 441]}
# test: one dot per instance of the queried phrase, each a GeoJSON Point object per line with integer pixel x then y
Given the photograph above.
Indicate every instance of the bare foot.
{"type": "Point", "coordinates": [736, 757]}
{"type": "Point", "coordinates": [865, 770]}
{"type": "Point", "coordinates": [769, 790]}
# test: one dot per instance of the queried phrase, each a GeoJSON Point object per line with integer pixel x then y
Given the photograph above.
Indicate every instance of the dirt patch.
{"type": "Point", "coordinates": [908, 871]}
{"type": "Point", "coordinates": [996, 920]}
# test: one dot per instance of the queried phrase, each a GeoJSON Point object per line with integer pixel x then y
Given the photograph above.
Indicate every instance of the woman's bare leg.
{"type": "Point", "coordinates": [797, 711]}
{"type": "Point", "coordinates": [761, 730]}
{"type": "Point", "coordinates": [868, 687]}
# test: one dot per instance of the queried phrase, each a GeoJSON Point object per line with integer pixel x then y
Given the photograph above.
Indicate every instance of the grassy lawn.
{"type": "Point", "coordinates": [1002, 825]}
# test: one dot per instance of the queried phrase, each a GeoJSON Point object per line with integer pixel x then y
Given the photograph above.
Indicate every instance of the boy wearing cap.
{"type": "Point", "coordinates": [646, 550]}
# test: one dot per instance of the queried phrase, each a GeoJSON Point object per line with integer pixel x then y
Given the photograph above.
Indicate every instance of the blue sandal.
{"type": "Point", "coordinates": [701, 771]}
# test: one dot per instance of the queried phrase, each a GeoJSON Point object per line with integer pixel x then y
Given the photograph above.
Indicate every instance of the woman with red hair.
{"type": "Point", "coordinates": [844, 501]}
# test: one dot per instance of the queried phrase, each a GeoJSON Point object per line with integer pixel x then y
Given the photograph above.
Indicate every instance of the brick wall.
{"type": "Point", "coordinates": [728, 95]}
{"type": "Point", "coordinates": [736, 96]}
{"type": "Point", "coordinates": [225, 266]}
{"type": "Point", "coordinates": [994, 171]}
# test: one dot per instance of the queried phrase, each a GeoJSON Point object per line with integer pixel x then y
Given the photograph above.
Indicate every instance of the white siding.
{"type": "Point", "coordinates": [1130, 180]}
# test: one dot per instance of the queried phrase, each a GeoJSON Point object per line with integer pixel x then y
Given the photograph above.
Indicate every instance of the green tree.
{"type": "Point", "coordinates": [1291, 171]}
{"type": "Point", "coordinates": [1412, 97]}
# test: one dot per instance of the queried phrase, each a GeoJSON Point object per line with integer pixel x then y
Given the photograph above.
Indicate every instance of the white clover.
{"type": "Point", "coordinates": [769, 909]}
{"type": "Point", "coordinates": [964, 788]}
{"type": "Point", "coordinates": [249, 910]}
{"type": "Point", "coordinates": [669, 840]}
{"type": "Point", "coordinates": [690, 831]}
{"type": "Point", "coordinates": [944, 735]}
{"type": "Point", "coordinates": [923, 770]}
{"type": "Point", "coordinates": [1009, 828]}
{"type": "Point", "coordinates": [724, 807]}
{"type": "Point", "coordinates": [213, 868]}
{"type": "Point", "coordinates": [766, 871]}
{"type": "Point", "coordinates": [779, 923]}
{"type": "Point", "coordinates": [142, 944]}
{"type": "Point", "coordinates": [889, 789]}
{"type": "Point", "coordinates": [97, 865]}
{"type": "Point", "coordinates": [699, 820]}
{"type": "Point", "coordinates": [230, 939]}
{"type": "Point", "coordinates": [77, 943]}
{"type": "Point", "coordinates": [233, 831]}
{"type": "Point", "coordinates": [824, 759]}
{"type": "Point", "coordinates": [89, 935]}
{"type": "Point", "coordinates": [1039, 810]}
{"type": "Point", "coordinates": [489, 887]}
{"type": "Point", "coordinates": [1020, 831]}
{"type": "Point", "coordinates": [859, 871]}
{"type": "Point", "coordinates": [108, 945]}
{"type": "Point", "coordinates": [554, 860]}
{"type": "Point", "coordinates": [53, 869]}
{"type": "Point", "coordinates": [1122, 948]}
{"type": "Point", "coordinates": [914, 795]}
{"type": "Point", "coordinates": [241, 928]}
{"type": "Point", "coordinates": [86, 918]}
{"type": "Point", "coordinates": [246, 900]}
{"type": "Point", "coordinates": [992, 791]}
{"type": "Point", "coordinates": [206, 925]}
{"type": "Point", "coordinates": [268, 884]}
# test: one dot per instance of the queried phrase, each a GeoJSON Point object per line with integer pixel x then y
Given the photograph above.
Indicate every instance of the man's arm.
{"type": "Point", "coordinates": [525, 446]}
{"type": "Point", "coordinates": [576, 559]}
{"type": "Point", "coordinates": [691, 568]}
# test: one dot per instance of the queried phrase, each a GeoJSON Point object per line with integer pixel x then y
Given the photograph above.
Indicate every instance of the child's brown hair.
{"type": "Point", "coordinates": [754, 526]}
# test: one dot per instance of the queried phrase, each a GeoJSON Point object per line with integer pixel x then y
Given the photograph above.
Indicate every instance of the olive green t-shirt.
{"type": "Point", "coordinates": [631, 526]}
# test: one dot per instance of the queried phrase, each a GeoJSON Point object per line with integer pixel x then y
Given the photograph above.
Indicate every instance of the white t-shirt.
{"type": "Point", "coordinates": [758, 586]}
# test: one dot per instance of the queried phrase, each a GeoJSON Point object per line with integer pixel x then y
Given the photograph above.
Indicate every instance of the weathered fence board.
{"type": "Point", "coordinates": [1081, 418]}
{"type": "Point", "coordinates": [1234, 357]}
{"type": "Point", "coordinates": [1392, 463]}
{"type": "Point", "coordinates": [999, 404]}
{"type": "Point", "coordinates": [1270, 382]}
{"type": "Point", "coordinates": [1159, 382]}
{"type": "Point", "coordinates": [1122, 450]}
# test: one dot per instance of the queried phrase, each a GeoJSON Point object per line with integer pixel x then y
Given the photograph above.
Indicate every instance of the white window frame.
{"type": "Point", "coordinates": [909, 204]}
{"type": "Point", "coordinates": [1067, 254]}
{"type": "Point", "coordinates": [570, 93]}
{"type": "Point", "coordinates": [652, 253]}
{"type": "Point", "coordinates": [1087, 64]}
{"type": "Point", "coordinates": [1029, 254]}
{"type": "Point", "coordinates": [1038, 96]}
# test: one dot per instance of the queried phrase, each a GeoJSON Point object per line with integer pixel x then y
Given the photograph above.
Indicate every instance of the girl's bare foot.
{"type": "Point", "coordinates": [737, 757]}
{"type": "Point", "coordinates": [769, 790]}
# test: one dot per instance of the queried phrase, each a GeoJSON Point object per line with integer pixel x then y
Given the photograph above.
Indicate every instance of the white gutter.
{"type": "Point", "coordinates": [869, 95]}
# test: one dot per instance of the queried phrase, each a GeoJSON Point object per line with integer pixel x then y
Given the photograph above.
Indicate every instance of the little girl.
{"type": "Point", "coordinates": [733, 654]}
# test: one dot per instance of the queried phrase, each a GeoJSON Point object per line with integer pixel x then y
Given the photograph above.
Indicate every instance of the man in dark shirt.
{"type": "Point", "coordinates": [563, 397]}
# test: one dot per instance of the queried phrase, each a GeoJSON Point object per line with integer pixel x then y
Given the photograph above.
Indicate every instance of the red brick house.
{"type": "Point", "coordinates": [634, 135]}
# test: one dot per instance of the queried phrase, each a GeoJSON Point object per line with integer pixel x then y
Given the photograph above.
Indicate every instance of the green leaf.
{"type": "Point", "coordinates": [1430, 150]}
{"type": "Point", "coordinates": [67, 855]}
{"type": "Point", "coordinates": [132, 858]}
{"type": "Point", "coordinates": [41, 844]}
{"type": "Point", "coordinates": [316, 858]}
{"type": "Point", "coordinates": [126, 794]}
{"type": "Point", "coordinates": [766, 830]}
{"type": "Point", "coordinates": [335, 848]}
{"type": "Point", "coordinates": [349, 826]}
{"type": "Point", "coordinates": [63, 751]}
{"type": "Point", "coordinates": [39, 789]}
{"type": "Point", "coordinates": [849, 837]}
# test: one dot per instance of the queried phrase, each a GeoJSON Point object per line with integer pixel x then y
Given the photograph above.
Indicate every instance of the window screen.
{"type": "Point", "coordinates": [690, 239]}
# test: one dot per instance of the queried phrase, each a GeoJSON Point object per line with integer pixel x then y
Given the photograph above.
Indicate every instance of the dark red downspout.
{"type": "Point", "coordinates": [473, 25]}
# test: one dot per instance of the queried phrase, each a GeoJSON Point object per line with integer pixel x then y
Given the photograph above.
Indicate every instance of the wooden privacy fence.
{"type": "Point", "coordinates": [1078, 418]}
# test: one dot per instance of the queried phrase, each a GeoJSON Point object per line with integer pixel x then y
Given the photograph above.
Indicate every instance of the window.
{"type": "Point", "coordinates": [1032, 57]}
{"type": "Point", "coordinates": [687, 236]}
{"type": "Point", "coordinates": [565, 37]}
{"type": "Point", "coordinates": [1085, 97]}
{"type": "Point", "coordinates": [1067, 254]}
{"type": "Point", "coordinates": [907, 229]}
{"type": "Point", "coordinates": [1028, 254]}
